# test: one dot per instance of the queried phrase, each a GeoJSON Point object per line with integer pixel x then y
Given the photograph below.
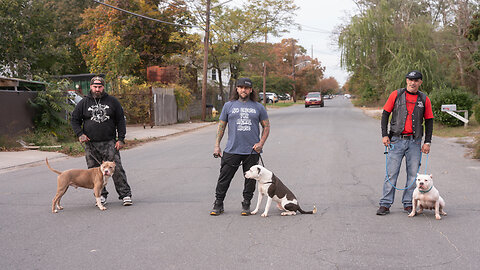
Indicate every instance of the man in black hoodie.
{"type": "Point", "coordinates": [99, 121]}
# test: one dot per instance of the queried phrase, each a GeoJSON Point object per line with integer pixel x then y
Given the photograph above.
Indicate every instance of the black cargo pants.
{"type": "Point", "coordinates": [228, 168]}
{"type": "Point", "coordinates": [105, 151]}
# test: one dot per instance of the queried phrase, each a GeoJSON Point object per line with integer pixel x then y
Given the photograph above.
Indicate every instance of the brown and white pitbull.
{"type": "Point", "coordinates": [94, 178]}
{"type": "Point", "coordinates": [270, 185]}
{"type": "Point", "coordinates": [426, 196]}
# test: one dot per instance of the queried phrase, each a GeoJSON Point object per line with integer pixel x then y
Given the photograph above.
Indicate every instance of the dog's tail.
{"type": "Point", "coordinates": [307, 212]}
{"type": "Point", "coordinates": [52, 169]}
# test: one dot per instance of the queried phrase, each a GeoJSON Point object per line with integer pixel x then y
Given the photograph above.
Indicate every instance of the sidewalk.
{"type": "Point", "coordinates": [12, 160]}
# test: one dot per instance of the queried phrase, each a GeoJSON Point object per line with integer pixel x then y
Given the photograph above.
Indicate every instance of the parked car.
{"type": "Point", "coordinates": [285, 96]}
{"type": "Point", "coordinates": [314, 98]}
{"type": "Point", "coordinates": [73, 97]}
{"type": "Point", "coordinates": [271, 97]}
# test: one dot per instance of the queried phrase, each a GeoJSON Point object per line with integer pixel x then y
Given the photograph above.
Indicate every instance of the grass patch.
{"type": "Point", "coordinates": [472, 130]}
{"type": "Point", "coordinates": [282, 104]}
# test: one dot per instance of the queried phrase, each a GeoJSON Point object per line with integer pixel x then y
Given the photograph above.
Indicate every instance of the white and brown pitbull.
{"type": "Point", "coordinates": [94, 178]}
{"type": "Point", "coordinates": [270, 185]}
{"type": "Point", "coordinates": [426, 196]}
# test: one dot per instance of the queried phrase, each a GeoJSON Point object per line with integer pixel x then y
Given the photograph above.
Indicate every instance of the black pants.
{"type": "Point", "coordinates": [105, 151]}
{"type": "Point", "coordinates": [229, 166]}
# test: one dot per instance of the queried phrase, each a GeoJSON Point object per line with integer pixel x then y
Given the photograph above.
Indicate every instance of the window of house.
{"type": "Point", "coordinates": [214, 74]}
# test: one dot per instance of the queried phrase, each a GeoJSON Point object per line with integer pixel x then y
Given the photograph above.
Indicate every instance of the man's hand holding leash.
{"type": "Point", "coordinates": [386, 141]}
{"type": "Point", "coordinates": [426, 148]}
{"type": "Point", "coordinates": [83, 138]}
{"type": "Point", "coordinates": [258, 147]}
{"type": "Point", "coordinates": [217, 151]}
{"type": "Point", "coordinates": [119, 145]}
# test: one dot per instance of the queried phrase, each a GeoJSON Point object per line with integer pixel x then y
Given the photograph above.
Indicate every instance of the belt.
{"type": "Point", "coordinates": [406, 136]}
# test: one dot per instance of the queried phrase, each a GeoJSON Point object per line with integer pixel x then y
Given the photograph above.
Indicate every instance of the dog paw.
{"type": "Point", "coordinates": [444, 213]}
{"type": "Point", "coordinates": [264, 215]}
{"type": "Point", "coordinates": [438, 217]}
{"type": "Point", "coordinates": [253, 212]}
{"type": "Point", "coordinates": [412, 214]}
{"type": "Point", "coordinates": [103, 208]}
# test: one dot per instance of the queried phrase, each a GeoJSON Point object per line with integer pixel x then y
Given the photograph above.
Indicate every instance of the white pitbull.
{"type": "Point", "coordinates": [426, 196]}
{"type": "Point", "coordinates": [270, 185]}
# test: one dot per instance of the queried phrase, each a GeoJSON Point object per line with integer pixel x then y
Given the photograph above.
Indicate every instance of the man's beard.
{"type": "Point", "coordinates": [97, 95]}
{"type": "Point", "coordinates": [244, 99]}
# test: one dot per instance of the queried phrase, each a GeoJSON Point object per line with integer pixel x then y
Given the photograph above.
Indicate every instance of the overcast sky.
{"type": "Point", "coordinates": [319, 19]}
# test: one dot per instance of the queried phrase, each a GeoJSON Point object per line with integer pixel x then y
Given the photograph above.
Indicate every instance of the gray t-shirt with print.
{"type": "Point", "coordinates": [243, 119]}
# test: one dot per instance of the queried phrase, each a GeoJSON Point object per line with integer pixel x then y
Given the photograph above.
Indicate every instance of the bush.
{"type": "Point", "coordinates": [51, 107]}
{"type": "Point", "coordinates": [476, 112]}
{"type": "Point", "coordinates": [136, 98]}
{"type": "Point", "coordinates": [183, 96]}
{"type": "Point", "coordinates": [462, 99]}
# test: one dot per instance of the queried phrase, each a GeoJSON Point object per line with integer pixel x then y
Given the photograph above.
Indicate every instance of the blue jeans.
{"type": "Point", "coordinates": [411, 150]}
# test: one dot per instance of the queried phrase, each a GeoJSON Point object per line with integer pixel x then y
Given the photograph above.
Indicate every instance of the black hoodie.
{"type": "Point", "coordinates": [102, 118]}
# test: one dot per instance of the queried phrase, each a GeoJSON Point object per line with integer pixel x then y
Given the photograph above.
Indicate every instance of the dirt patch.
{"type": "Point", "coordinates": [372, 112]}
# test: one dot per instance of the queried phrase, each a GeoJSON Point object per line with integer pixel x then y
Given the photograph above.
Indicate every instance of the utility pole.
{"type": "Point", "coordinates": [205, 63]}
{"type": "Point", "coordinates": [265, 72]}
{"type": "Point", "coordinates": [293, 71]}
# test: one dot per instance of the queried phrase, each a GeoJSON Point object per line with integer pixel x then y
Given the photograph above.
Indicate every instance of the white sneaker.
{"type": "Point", "coordinates": [127, 201]}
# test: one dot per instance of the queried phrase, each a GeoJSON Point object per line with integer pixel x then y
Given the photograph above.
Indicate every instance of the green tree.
{"type": "Point", "coordinates": [233, 28]}
{"type": "Point", "coordinates": [38, 37]}
{"type": "Point", "coordinates": [384, 42]}
{"type": "Point", "coordinates": [472, 35]}
{"type": "Point", "coordinates": [155, 43]}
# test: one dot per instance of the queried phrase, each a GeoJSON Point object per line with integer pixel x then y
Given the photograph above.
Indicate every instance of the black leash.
{"type": "Point", "coordinates": [233, 165]}
{"type": "Point", "coordinates": [99, 163]}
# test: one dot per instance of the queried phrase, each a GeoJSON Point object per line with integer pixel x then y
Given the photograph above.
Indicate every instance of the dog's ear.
{"type": "Point", "coordinates": [259, 170]}
{"type": "Point", "coordinates": [431, 176]}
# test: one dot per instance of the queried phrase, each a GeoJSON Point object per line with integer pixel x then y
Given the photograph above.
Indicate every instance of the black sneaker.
{"type": "Point", "coordinates": [383, 211]}
{"type": "Point", "coordinates": [217, 208]}
{"type": "Point", "coordinates": [407, 209]}
{"type": "Point", "coordinates": [245, 208]}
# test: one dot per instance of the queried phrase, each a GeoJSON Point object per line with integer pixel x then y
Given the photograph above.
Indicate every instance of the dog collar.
{"type": "Point", "coordinates": [422, 191]}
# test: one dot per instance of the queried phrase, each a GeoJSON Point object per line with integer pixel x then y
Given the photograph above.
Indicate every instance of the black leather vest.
{"type": "Point", "coordinates": [400, 113]}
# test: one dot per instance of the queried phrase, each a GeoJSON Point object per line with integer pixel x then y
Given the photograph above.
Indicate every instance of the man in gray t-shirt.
{"type": "Point", "coordinates": [243, 116]}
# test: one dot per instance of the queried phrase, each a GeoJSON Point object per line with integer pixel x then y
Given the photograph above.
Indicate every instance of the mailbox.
{"type": "Point", "coordinates": [449, 107]}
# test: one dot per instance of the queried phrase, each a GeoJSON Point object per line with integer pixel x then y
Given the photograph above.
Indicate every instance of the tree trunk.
{"type": "Point", "coordinates": [221, 85]}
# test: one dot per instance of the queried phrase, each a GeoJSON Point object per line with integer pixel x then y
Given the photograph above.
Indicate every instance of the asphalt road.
{"type": "Point", "coordinates": [330, 157]}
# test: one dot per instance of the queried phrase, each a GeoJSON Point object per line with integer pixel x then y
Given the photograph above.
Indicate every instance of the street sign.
{"type": "Point", "coordinates": [449, 107]}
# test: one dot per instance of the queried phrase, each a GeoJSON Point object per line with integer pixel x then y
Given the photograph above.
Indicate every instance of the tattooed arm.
{"type": "Point", "coordinates": [220, 131]}
{"type": "Point", "coordinates": [265, 132]}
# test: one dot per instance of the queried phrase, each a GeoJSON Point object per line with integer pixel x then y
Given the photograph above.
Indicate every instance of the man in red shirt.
{"type": "Point", "coordinates": [409, 108]}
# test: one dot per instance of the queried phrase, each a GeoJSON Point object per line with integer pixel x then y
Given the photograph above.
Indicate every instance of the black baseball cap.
{"type": "Point", "coordinates": [244, 82]}
{"type": "Point", "coordinates": [414, 74]}
{"type": "Point", "coordinates": [97, 80]}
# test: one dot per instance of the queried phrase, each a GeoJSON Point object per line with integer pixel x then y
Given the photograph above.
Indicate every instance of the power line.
{"type": "Point", "coordinates": [145, 17]}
